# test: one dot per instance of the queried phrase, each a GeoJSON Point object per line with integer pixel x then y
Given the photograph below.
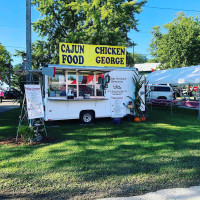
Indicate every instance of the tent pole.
{"type": "Point", "coordinates": [151, 98]}
{"type": "Point", "coordinates": [199, 103]}
{"type": "Point", "coordinates": [171, 100]}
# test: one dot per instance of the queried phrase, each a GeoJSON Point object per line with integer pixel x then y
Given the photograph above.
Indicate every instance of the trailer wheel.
{"type": "Point", "coordinates": [87, 117]}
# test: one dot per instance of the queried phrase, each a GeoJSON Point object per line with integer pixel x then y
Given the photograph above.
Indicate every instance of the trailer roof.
{"type": "Point", "coordinates": [95, 68]}
{"type": "Point", "coordinates": [81, 69]}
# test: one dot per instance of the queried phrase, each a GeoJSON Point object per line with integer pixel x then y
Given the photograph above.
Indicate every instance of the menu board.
{"type": "Point", "coordinates": [117, 107]}
{"type": "Point", "coordinates": [34, 101]}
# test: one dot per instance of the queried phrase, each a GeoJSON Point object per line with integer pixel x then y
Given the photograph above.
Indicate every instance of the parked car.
{"type": "Point", "coordinates": [160, 92]}
{"type": "Point", "coordinates": [12, 93]}
{"type": "Point", "coordinates": [182, 91]}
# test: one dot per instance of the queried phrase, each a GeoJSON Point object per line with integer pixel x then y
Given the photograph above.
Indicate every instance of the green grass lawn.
{"type": "Point", "coordinates": [102, 160]}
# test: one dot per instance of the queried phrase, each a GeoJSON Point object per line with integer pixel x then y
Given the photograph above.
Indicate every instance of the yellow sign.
{"type": "Point", "coordinates": [92, 55]}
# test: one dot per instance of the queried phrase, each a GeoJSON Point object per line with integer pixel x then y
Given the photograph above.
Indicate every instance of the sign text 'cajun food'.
{"type": "Point", "coordinates": [92, 55]}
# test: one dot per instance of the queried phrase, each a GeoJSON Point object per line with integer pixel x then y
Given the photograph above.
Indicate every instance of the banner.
{"type": "Point", "coordinates": [92, 55]}
{"type": "Point", "coordinates": [34, 101]}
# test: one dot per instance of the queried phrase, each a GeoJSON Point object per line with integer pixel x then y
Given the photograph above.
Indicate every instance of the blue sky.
{"type": "Point", "coordinates": [13, 22]}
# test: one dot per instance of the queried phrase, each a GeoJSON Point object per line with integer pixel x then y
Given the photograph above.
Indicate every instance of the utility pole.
{"type": "Point", "coordinates": [9, 76]}
{"type": "Point", "coordinates": [28, 44]}
{"type": "Point", "coordinates": [133, 54]}
{"type": "Point", "coordinates": [28, 39]}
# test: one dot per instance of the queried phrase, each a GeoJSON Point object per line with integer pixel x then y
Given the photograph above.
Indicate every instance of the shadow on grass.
{"type": "Point", "coordinates": [103, 159]}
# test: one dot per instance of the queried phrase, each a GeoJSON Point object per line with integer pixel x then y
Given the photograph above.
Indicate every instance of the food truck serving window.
{"type": "Point", "coordinates": [86, 84]}
{"type": "Point", "coordinates": [64, 83]}
{"type": "Point", "coordinates": [57, 85]}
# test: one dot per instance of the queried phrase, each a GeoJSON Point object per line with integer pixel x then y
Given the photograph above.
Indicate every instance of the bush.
{"type": "Point", "coordinates": [26, 133]}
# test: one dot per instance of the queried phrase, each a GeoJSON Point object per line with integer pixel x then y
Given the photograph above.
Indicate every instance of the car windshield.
{"type": "Point", "coordinates": [160, 89]}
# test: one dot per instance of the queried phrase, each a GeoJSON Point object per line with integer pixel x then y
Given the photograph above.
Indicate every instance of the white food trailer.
{"type": "Point", "coordinates": [86, 93]}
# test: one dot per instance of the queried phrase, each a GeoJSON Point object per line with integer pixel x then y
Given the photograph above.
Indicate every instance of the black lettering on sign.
{"type": "Point", "coordinates": [109, 60]}
{"type": "Point", "coordinates": [122, 61]}
{"type": "Point", "coordinates": [67, 49]}
{"type": "Point", "coordinates": [82, 48]}
{"type": "Point", "coordinates": [75, 48]}
{"type": "Point", "coordinates": [81, 60]}
{"type": "Point", "coordinates": [64, 58]}
{"type": "Point", "coordinates": [75, 59]}
{"type": "Point", "coordinates": [112, 60]}
{"type": "Point", "coordinates": [123, 51]}
{"type": "Point", "coordinates": [98, 60]}
{"type": "Point", "coordinates": [68, 59]}
{"type": "Point", "coordinates": [113, 51]}
{"type": "Point", "coordinates": [117, 60]}
{"type": "Point", "coordinates": [97, 50]}
{"type": "Point", "coordinates": [63, 48]}
{"type": "Point", "coordinates": [103, 60]}
{"type": "Point", "coordinates": [110, 50]}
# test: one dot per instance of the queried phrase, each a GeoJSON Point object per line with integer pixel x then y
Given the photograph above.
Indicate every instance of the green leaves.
{"type": "Point", "coordinates": [138, 58]}
{"type": "Point", "coordinates": [41, 54]}
{"type": "Point", "coordinates": [138, 81]}
{"type": "Point", "coordinates": [5, 59]}
{"type": "Point", "coordinates": [179, 45]}
{"type": "Point", "coordinates": [105, 22]}
{"type": "Point", "coordinates": [26, 132]}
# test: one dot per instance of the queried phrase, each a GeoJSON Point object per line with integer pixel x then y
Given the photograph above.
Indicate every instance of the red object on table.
{"type": "Point", "coordinates": [191, 104]}
{"type": "Point", "coordinates": [161, 102]}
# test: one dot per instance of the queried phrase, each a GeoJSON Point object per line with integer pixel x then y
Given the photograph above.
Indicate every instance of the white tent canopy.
{"type": "Point", "coordinates": [177, 76]}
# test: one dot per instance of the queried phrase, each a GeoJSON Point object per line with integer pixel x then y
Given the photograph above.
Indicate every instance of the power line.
{"type": "Point", "coordinates": [14, 26]}
{"type": "Point", "coordinates": [143, 32]}
{"type": "Point", "coordinates": [177, 9]}
{"type": "Point", "coordinates": [15, 47]}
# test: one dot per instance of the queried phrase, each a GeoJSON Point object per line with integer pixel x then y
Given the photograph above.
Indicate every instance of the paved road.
{"type": "Point", "coordinates": [8, 104]}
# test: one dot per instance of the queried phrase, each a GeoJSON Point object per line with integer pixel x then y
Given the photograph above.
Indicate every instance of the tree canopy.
{"type": "Point", "coordinates": [103, 22]}
{"type": "Point", "coordinates": [5, 59]}
{"type": "Point", "coordinates": [179, 44]}
{"type": "Point", "coordinates": [138, 58]}
{"type": "Point", "coordinates": [40, 54]}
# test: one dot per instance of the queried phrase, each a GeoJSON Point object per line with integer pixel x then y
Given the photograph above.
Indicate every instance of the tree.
{"type": "Point", "coordinates": [138, 58]}
{"type": "Point", "coordinates": [19, 79]}
{"type": "Point", "coordinates": [5, 63]}
{"type": "Point", "coordinates": [179, 45]}
{"type": "Point", "coordinates": [40, 54]}
{"type": "Point", "coordinates": [105, 22]}
{"type": "Point", "coordinates": [153, 60]}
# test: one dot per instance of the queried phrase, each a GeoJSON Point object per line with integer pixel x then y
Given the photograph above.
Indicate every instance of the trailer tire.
{"type": "Point", "coordinates": [87, 117]}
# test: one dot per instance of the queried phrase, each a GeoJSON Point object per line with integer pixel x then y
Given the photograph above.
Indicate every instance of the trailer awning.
{"type": "Point", "coordinates": [81, 69]}
{"type": "Point", "coordinates": [89, 68]}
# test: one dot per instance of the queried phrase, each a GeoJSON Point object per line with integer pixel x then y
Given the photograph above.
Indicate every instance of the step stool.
{"type": "Point", "coordinates": [117, 120]}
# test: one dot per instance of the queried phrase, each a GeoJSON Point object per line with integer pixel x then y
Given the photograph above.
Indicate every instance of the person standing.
{"type": "Point", "coordinates": [1, 96]}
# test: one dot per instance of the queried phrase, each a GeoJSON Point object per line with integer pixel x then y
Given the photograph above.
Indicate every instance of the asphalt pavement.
{"type": "Point", "coordinates": [8, 104]}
